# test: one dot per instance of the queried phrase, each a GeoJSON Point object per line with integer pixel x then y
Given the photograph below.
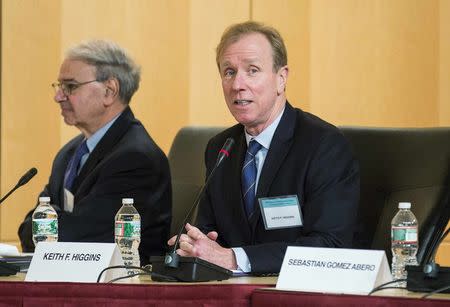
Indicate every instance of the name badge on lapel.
{"type": "Point", "coordinates": [281, 212]}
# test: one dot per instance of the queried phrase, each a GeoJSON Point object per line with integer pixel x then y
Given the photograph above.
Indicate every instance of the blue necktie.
{"type": "Point", "coordinates": [249, 177]}
{"type": "Point", "coordinates": [74, 163]}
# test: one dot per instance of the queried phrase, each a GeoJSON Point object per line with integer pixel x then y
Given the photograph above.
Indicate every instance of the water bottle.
{"type": "Point", "coordinates": [127, 233]}
{"type": "Point", "coordinates": [404, 238]}
{"type": "Point", "coordinates": [45, 222]}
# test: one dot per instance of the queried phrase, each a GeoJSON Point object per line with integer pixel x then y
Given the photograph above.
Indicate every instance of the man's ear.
{"type": "Point", "coordinates": [112, 89]}
{"type": "Point", "coordinates": [282, 76]}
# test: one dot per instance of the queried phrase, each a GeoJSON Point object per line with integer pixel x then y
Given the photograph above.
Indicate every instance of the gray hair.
{"type": "Point", "coordinates": [110, 61]}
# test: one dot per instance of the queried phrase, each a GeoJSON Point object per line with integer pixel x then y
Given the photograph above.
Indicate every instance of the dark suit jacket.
{"type": "Point", "coordinates": [307, 157]}
{"type": "Point", "coordinates": [125, 163]}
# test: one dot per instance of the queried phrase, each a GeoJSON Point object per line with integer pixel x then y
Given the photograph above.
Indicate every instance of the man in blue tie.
{"type": "Point", "coordinates": [291, 178]}
{"type": "Point", "coordinates": [113, 158]}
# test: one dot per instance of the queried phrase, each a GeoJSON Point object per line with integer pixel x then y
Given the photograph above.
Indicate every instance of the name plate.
{"type": "Point", "coordinates": [74, 262]}
{"type": "Point", "coordinates": [333, 270]}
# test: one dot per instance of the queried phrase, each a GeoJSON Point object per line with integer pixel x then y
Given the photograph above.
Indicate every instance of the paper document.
{"type": "Point", "coordinates": [8, 250]}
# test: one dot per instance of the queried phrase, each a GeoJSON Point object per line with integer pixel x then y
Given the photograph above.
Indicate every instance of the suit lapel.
{"type": "Point", "coordinates": [279, 148]}
{"type": "Point", "coordinates": [108, 141]}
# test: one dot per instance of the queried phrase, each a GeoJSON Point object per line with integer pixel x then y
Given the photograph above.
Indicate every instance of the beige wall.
{"type": "Point", "coordinates": [30, 129]}
{"type": "Point", "coordinates": [208, 19]}
{"type": "Point", "coordinates": [444, 63]}
{"type": "Point", "coordinates": [352, 62]}
{"type": "Point", "coordinates": [375, 62]}
{"type": "Point", "coordinates": [292, 19]}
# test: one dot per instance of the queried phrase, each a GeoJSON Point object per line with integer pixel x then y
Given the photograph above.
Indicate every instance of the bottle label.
{"type": "Point", "coordinates": [45, 227]}
{"type": "Point", "coordinates": [131, 229]}
{"type": "Point", "coordinates": [404, 234]}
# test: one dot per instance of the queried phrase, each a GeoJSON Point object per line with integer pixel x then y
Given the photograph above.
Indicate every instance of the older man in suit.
{"type": "Point", "coordinates": [113, 158]}
{"type": "Point", "coordinates": [291, 178]}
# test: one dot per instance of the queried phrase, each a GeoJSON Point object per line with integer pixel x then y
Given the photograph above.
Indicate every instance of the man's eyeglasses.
{"type": "Point", "coordinates": [68, 87]}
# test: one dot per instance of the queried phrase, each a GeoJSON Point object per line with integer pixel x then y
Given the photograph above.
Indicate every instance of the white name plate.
{"type": "Point", "coordinates": [333, 270]}
{"type": "Point", "coordinates": [74, 262]}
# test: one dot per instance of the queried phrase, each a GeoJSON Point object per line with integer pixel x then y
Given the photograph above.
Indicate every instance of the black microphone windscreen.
{"type": "Point", "coordinates": [228, 144]}
{"type": "Point", "coordinates": [225, 150]}
{"type": "Point", "coordinates": [28, 175]}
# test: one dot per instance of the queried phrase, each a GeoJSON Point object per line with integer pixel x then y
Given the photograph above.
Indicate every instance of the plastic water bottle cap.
{"type": "Point", "coordinates": [404, 205]}
{"type": "Point", "coordinates": [44, 199]}
{"type": "Point", "coordinates": [127, 201]}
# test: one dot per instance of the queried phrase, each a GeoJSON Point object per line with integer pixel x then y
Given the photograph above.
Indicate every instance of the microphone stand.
{"type": "Point", "coordinates": [172, 258]}
{"type": "Point", "coordinates": [23, 180]}
{"type": "Point", "coordinates": [173, 267]}
{"type": "Point", "coordinates": [7, 269]}
{"type": "Point", "coordinates": [431, 276]}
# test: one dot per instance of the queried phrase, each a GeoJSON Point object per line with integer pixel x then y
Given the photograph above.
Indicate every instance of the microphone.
{"type": "Point", "coordinates": [6, 268]}
{"type": "Point", "coordinates": [224, 152]}
{"type": "Point", "coordinates": [431, 269]}
{"type": "Point", "coordinates": [172, 258]}
{"type": "Point", "coordinates": [192, 268]}
{"type": "Point", "coordinates": [429, 276]}
{"type": "Point", "coordinates": [23, 180]}
{"type": "Point", "coordinates": [432, 277]}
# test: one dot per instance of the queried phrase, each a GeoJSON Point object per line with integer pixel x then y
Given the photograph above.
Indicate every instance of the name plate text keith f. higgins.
{"type": "Point", "coordinates": [74, 262]}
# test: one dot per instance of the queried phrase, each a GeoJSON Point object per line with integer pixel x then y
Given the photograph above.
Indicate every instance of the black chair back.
{"type": "Point", "coordinates": [187, 166]}
{"type": "Point", "coordinates": [399, 165]}
{"type": "Point", "coordinates": [396, 165]}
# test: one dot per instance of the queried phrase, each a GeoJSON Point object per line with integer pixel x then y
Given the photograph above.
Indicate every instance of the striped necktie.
{"type": "Point", "coordinates": [249, 177]}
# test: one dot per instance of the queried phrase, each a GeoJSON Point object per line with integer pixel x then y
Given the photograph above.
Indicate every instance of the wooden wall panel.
{"type": "Point", "coordinates": [374, 62]}
{"type": "Point", "coordinates": [292, 19]}
{"type": "Point", "coordinates": [208, 20]}
{"type": "Point", "coordinates": [444, 63]}
{"type": "Point", "coordinates": [29, 117]}
{"type": "Point", "coordinates": [156, 34]}
{"type": "Point", "coordinates": [443, 254]}
{"type": "Point", "coordinates": [358, 62]}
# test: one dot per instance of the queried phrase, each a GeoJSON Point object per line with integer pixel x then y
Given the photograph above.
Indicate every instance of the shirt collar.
{"type": "Point", "coordinates": [265, 137]}
{"type": "Point", "coordinates": [98, 135]}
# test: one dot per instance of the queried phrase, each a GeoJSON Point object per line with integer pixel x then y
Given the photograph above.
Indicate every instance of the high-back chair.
{"type": "Point", "coordinates": [396, 165]}
{"type": "Point", "coordinates": [399, 165]}
{"type": "Point", "coordinates": [187, 166]}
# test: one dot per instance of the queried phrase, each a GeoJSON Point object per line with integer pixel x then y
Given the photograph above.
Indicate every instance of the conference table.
{"type": "Point", "coordinates": [237, 291]}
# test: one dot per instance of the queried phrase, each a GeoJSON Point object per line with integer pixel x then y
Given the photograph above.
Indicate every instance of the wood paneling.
{"type": "Point", "coordinates": [444, 63]}
{"type": "Point", "coordinates": [443, 254]}
{"type": "Point", "coordinates": [29, 117]}
{"type": "Point", "coordinates": [208, 20]}
{"type": "Point", "coordinates": [375, 62]}
{"type": "Point", "coordinates": [352, 62]}
{"type": "Point", "coordinates": [292, 19]}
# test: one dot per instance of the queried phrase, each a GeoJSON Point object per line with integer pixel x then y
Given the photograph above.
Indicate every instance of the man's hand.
{"type": "Point", "coordinates": [196, 244]}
